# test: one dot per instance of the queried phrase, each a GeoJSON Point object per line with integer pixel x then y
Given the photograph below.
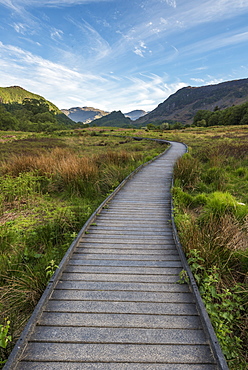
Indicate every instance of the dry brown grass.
{"type": "Point", "coordinates": [20, 291]}
{"type": "Point", "coordinates": [67, 165]}
{"type": "Point", "coordinates": [60, 161]}
{"type": "Point", "coordinates": [217, 241]}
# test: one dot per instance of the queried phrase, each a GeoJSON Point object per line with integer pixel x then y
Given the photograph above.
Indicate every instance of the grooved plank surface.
{"type": "Point", "coordinates": [117, 304]}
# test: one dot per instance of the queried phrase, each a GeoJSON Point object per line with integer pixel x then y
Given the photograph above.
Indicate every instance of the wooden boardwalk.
{"type": "Point", "coordinates": [115, 302]}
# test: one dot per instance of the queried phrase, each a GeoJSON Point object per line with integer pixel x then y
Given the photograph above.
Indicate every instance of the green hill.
{"type": "Point", "coordinates": [25, 111]}
{"type": "Point", "coordinates": [114, 119]}
{"type": "Point", "coordinates": [16, 94]}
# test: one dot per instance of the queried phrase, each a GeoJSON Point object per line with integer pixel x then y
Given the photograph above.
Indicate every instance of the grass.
{"type": "Point", "coordinates": [210, 196]}
{"type": "Point", "coordinates": [211, 213]}
{"type": "Point", "coordinates": [55, 195]}
{"type": "Point", "coordinates": [49, 186]}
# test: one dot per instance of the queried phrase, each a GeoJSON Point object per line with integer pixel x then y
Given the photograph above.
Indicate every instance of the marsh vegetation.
{"type": "Point", "coordinates": [49, 186]}
{"type": "Point", "coordinates": [52, 183]}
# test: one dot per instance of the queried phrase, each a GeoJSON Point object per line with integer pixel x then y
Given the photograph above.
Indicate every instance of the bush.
{"type": "Point", "coordinates": [220, 204]}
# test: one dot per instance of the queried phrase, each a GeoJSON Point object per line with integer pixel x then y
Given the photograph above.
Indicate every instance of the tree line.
{"type": "Point", "coordinates": [235, 115]}
{"type": "Point", "coordinates": [231, 116]}
{"type": "Point", "coordinates": [32, 115]}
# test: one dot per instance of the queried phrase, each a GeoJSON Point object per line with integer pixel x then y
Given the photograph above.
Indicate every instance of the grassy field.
{"type": "Point", "coordinates": [51, 184]}
{"type": "Point", "coordinates": [211, 212]}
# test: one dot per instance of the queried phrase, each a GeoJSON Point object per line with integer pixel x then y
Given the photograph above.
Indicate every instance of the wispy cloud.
{"type": "Point", "coordinates": [159, 21]}
{"type": "Point", "coordinates": [217, 42]}
{"type": "Point", "coordinates": [106, 58]}
{"type": "Point", "coordinates": [39, 71]}
{"type": "Point", "coordinates": [102, 91]}
{"type": "Point", "coordinates": [97, 46]}
{"type": "Point", "coordinates": [141, 49]}
{"type": "Point", "coordinates": [20, 28]}
{"type": "Point", "coordinates": [171, 3]}
{"type": "Point", "coordinates": [56, 34]}
{"type": "Point", "coordinates": [15, 4]}
{"type": "Point", "coordinates": [197, 80]}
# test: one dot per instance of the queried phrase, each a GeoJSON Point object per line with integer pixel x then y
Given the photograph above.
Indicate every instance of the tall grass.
{"type": "Point", "coordinates": [46, 197]}
{"type": "Point", "coordinates": [212, 219]}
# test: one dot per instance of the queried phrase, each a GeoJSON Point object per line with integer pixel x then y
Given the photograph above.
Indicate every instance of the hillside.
{"type": "Point", "coordinates": [183, 105]}
{"type": "Point", "coordinates": [17, 94]}
{"type": "Point", "coordinates": [23, 110]}
{"type": "Point", "coordinates": [114, 119]}
{"type": "Point", "coordinates": [84, 114]}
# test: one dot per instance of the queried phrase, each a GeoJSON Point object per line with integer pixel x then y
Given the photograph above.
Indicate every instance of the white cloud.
{"type": "Point", "coordinates": [159, 21]}
{"type": "Point", "coordinates": [96, 44]}
{"type": "Point", "coordinates": [197, 80]}
{"type": "Point", "coordinates": [213, 81]}
{"type": "Point", "coordinates": [154, 27]}
{"type": "Point", "coordinates": [138, 51]}
{"type": "Point", "coordinates": [66, 87]}
{"type": "Point", "coordinates": [16, 4]}
{"type": "Point", "coordinates": [141, 49]}
{"type": "Point", "coordinates": [217, 42]}
{"type": "Point", "coordinates": [171, 3]}
{"type": "Point", "coordinates": [20, 28]}
{"type": "Point", "coordinates": [56, 34]}
{"type": "Point", "coordinates": [35, 72]}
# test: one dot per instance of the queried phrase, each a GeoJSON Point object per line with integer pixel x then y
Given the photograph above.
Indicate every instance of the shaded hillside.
{"type": "Point", "coordinates": [114, 119]}
{"type": "Point", "coordinates": [183, 105]}
{"type": "Point", "coordinates": [84, 114]}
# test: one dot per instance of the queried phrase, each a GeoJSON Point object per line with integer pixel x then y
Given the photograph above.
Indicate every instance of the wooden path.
{"type": "Point", "coordinates": [115, 302]}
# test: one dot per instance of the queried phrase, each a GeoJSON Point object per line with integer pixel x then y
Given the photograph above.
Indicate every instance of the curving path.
{"type": "Point", "coordinates": [115, 302]}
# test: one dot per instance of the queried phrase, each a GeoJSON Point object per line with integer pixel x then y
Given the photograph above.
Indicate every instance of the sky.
{"type": "Point", "coordinates": [120, 54]}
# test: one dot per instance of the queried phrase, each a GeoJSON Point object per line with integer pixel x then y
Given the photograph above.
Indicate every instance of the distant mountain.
{"type": "Point", "coordinates": [135, 114]}
{"type": "Point", "coordinates": [113, 119]}
{"type": "Point", "coordinates": [183, 105]}
{"type": "Point", "coordinates": [84, 114]}
{"type": "Point", "coordinates": [17, 94]}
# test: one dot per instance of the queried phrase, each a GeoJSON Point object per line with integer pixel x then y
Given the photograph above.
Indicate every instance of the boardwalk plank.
{"type": "Point", "coordinates": [91, 352]}
{"type": "Point", "coordinates": [117, 304]}
{"type": "Point", "coordinates": [115, 335]}
{"type": "Point", "coordinates": [122, 286]}
{"type": "Point", "coordinates": [78, 295]}
{"type": "Point", "coordinates": [121, 320]}
{"type": "Point", "coordinates": [122, 307]}
{"type": "Point", "coordinates": [111, 366]}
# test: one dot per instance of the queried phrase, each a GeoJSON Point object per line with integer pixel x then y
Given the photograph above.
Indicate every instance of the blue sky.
{"type": "Point", "coordinates": [120, 54]}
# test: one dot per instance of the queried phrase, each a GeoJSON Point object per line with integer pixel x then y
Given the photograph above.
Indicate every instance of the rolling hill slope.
{"type": "Point", "coordinates": [183, 105]}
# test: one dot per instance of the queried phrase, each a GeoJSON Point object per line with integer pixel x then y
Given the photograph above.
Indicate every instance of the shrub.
{"type": "Point", "coordinates": [218, 205]}
{"type": "Point", "coordinates": [241, 172]}
{"type": "Point", "coordinates": [186, 200]}
{"type": "Point", "coordinates": [182, 198]}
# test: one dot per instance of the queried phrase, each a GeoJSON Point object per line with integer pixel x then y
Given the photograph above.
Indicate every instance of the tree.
{"type": "Point", "coordinates": [164, 126]}
{"type": "Point", "coordinates": [35, 105]}
{"type": "Point", "coordinates": [200, 115]}
{"type": "Point", "coordinates": [7, 121]}
{"type": "Point", "coordinates": [151, 126]}
{"type": "Point", "coordinates": [177, 126]}
{"type": "Point", "coordinates": [201, 123]}
{"type": "Point", "coordinates": [44, 117]}
{"type": "Point", "coordinates": [214, 119]}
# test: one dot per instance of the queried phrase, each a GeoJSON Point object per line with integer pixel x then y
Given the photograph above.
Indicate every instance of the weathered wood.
{"type": "Point", "coordinates": [117, 303]}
